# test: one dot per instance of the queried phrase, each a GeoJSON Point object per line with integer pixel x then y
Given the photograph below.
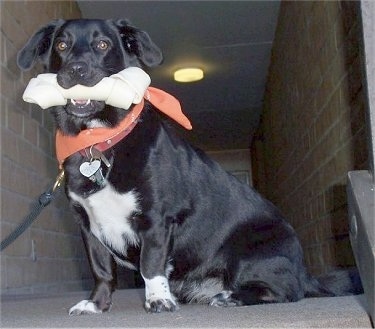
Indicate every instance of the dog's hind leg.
{"type": "Point", "coordinates": [255, 292]}
{"type": "Point", "coordinates": [272, 280]}
{"type": "Point", "coordinates": [103, 267]}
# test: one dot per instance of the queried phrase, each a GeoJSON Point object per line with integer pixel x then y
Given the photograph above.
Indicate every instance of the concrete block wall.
{"type": "Point", "coordinates": [313, 125]}
{"type": "Point", "coordinates": [50, 255]}
{"type": "Point", "coordinates": [237, 162]}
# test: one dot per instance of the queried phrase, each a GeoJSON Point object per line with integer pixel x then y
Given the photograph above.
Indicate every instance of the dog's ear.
{"type": "Point", "coordinates": [38, 47]}
{"type": "Point", "coordinates": [139, 43]}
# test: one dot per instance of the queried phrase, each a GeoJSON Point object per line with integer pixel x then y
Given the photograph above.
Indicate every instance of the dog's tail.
{"type": "Point", "coordinates": [336, 283]}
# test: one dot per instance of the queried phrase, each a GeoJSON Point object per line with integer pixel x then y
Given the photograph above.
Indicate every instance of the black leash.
{"type": "Point", "coordinates": [43, 201]}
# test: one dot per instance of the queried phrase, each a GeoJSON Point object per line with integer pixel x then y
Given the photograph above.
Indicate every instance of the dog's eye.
{"type": "Point", "coordinates": [102, 45]}
{"type": "Point", "coordinates": [62, 46]}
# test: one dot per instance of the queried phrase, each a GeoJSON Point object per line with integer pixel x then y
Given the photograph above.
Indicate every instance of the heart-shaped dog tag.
{"type": "Point", "coordinates": [88, 169]}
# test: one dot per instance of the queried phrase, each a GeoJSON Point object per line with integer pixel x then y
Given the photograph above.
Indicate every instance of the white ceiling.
{"type": "Point", "coordinates": [230, 40]}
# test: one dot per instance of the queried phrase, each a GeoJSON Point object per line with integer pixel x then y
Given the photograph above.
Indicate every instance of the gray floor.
{"type": "Point", "coordinates": [127, 312]}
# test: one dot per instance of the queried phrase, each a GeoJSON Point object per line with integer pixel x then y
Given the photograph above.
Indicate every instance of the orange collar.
{"type": "Point", "coordinates": [164, 102]}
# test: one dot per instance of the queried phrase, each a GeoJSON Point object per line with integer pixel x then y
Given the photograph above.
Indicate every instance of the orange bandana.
{"type": "Point", "coordinates": [164, 102]}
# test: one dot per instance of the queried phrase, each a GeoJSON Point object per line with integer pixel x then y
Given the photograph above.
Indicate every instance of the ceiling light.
{"type": "Point", "coordinates": [188, 74]}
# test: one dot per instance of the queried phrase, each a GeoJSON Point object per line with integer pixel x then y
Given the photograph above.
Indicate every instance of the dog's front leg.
{"type": "Point", "coordinates": [103, 268]}
{"type": "Point", "coordinates": [153, 262]}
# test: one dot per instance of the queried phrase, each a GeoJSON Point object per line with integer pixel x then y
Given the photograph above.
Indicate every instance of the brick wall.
{"type": "Point", "coordinates": [313, 125]}
{"type": "Point", "coordinates": [48, 256]}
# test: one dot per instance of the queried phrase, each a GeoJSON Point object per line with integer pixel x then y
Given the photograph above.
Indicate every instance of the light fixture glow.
{"type": "Point", "coordinates": [188, 74]}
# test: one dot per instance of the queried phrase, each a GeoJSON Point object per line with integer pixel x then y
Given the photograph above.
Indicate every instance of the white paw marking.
{"type": "Point", "coordinates": [84, 307]}
{"type": "Point", "coordinates": [157, 288]}
{"type": "Point", "coordinates": [157, 305]}
{"type": "Point", "coordinates": [223, 299]}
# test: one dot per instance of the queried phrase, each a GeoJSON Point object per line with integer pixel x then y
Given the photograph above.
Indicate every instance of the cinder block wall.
{"type": "Point", "coordinates": [313, 125]}
{"type": "Point", "coordinates": [50, 255]}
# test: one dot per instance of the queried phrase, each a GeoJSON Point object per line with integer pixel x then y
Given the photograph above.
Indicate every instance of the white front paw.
{"type": "Point", "coordinates": [158, 305]}
{"type": "Point", "coordinates": [84, 307]}
{"type": "Point", "coordinates": [158, 295]}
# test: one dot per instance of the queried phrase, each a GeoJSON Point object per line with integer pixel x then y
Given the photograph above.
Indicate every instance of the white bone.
{"type": "Point", "coordinates": [119, 90]}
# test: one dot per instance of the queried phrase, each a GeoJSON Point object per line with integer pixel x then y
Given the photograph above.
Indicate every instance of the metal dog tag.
{"type": "Point", "coordinates": [99, 178]}
{"type": "Point", "coordinates": [96, 154]}
{"type": "Point", "coordinates": [89, 168]}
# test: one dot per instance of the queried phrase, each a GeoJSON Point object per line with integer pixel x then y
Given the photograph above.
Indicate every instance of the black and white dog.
{"type": "Point", "coordinates": [195, 232]}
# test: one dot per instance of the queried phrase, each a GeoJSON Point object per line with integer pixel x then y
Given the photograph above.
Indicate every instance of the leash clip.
{"type": "Point", "coordinates": [59, 180]}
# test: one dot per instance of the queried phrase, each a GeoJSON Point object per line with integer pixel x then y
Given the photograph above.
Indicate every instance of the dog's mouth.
{"type": "Point", "coordinates": [80, 102]}
{"type": "Point", "coordinates": [84, 108]}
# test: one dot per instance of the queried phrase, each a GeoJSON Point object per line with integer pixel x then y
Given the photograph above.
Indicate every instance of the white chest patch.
{"type": "Point", "coordinates": [109, 213]}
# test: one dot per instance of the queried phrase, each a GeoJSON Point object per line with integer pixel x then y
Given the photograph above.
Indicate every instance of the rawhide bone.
{"type": "Point", "coordinates": [120, 90]}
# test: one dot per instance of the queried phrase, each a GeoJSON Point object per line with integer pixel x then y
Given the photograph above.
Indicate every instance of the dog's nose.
{"type": "Point", "coordinates": [77, 70]}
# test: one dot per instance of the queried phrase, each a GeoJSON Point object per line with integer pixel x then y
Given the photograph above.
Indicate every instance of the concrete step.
{"type": "Point", "coordinates": [128, 312]}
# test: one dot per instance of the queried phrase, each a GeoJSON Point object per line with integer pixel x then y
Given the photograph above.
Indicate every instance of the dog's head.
{"type": "Point", "coordinates": [83, 52]}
